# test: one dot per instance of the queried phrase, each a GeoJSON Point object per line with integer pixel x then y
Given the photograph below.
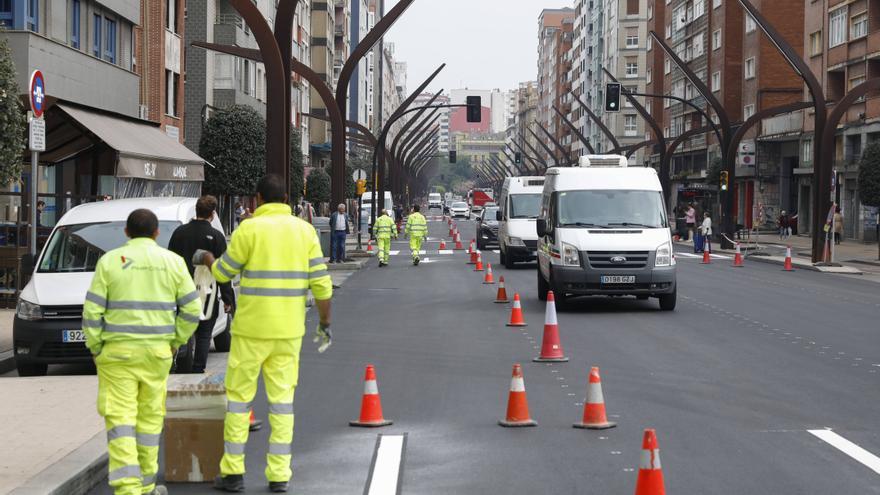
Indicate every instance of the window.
{"type": "Point", "coordinates": [74, 23]}
{"type": "Point", "coordinates": [750, 68]}
{"type": "Point", "coordinates": [667, 102]}
{"type": "Point", "coordinates": [697, 42]}
{"type": "Point", "coordinates": [808, 151]}
{"type": "Point", "coordinates": [837, 27]}
{"type": "Point", "coordinates": [6, 13]}
{"type": "Point", "coordinates": [716, 81]}
{"type": "Point", "coordinates": [716, 4]}
{"type": "Point", "coordinates": [667, 66]}
{"type": "Point", "coordinates": [172, 88]}
{"type": "Point", "coordinates": [748, 111]}
{"type": "Point", "coordinates": [630, 90]}
{"type": "Point", "coordinates": [648, 77]}
{"type": "Point", "coordinates": [855, 81]}
{"type": "Point", "coordinates": [668, 31]}
{"type": "Point", "coordinates": [816, 43]}
{"type": "Point", "coordinates": [32, 15]}
{"type": "Point", "coordinates": [96, 35]}
{"type": "Point", "coordinates": [171, 15]}
{"type": "Point", "coordinates": [750, 24]}
{"type": "Point", "coordinates": [632, 40]}
{"type": "Point", "coordinates": [630, 128]}
{"type": "Point", "coordinates": [650, 11]}
{"type": "Point", "coordinates": [859, 26]}
{"type": "Point", "coordinates": [632, 7]}
{"type": "Point", "coordinates": [699, 9]}
{"type": "Point", "coordinates": [632, 69]}
{"type": "Point", "coordinates": [716, 39]}
{"type": "Point", "coordinates": [110, 41]}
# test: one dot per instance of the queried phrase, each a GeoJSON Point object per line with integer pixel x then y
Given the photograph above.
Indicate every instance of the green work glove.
{"type": "Point", "coordinates": [323, 335]}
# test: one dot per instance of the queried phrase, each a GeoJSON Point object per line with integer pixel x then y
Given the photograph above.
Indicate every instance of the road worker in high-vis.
{"type": "Point", "coordinates": [142, 305]}
{"type": "Point", "coordinates": [417, 230]}
{"type": "Point", "coordinates": [279, 259]}
{"type": "Point", "coordinates": [384, 229]}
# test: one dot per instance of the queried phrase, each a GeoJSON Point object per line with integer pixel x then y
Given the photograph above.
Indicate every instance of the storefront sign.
{"type": "Point", "coordinates": [141, 168]}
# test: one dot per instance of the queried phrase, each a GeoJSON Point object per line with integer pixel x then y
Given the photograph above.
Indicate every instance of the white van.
{"type": "Point", "coordinates": [367, 199]}
{"type": "Point", "coordinates": [604, 231]}
{"type": "Point", "coordinates": [47, 326]}
{"type": "Point", "coordinates": [435, 200]}
{"type": "Point", "coordinates": [520, 204]}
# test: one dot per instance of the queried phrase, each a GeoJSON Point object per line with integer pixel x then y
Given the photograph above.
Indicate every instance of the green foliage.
{"type": "Point", "coordinates": [318, 183]}
{"type": "Point", "coordinates": [440, 190]}
{"type": "Point", "coordinates": [869, 175]}
{"type": "Point", "coordinates": [13, 121]}
{"type": "Point", "coordinates": [234, 141]}
{"type": "Point", "coordinates": [297, 167]}
{"type": "Point", "coordinates": [456, 177]}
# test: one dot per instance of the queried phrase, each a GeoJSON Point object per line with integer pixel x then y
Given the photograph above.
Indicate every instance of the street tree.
{"type": "Point", "coordinates": [318, 187]}
{"type": "Point", "coordinates": [869, 182]}
{"type": "Point", "coordinates": [234, 142]}
{"type": "Point", "coordinates": [13, 121]}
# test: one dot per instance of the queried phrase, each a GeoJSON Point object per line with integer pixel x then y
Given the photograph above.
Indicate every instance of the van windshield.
{"type": "Point", "coordinates": [76, 248]}
{"type": "Point", "coordinates": [525, 205]}
{"type": "Point", "coordinates": [613, 209]}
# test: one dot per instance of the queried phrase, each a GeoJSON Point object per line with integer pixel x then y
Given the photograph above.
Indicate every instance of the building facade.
{"type": "Point", "coordinates": [555, 39]}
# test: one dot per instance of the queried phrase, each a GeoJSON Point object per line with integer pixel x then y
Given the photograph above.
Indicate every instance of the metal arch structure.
{"type": "Point", "coordinates": [540, 164]}
{"type": "Point", "coordinates": [758, 117]}
{"type": "Point", "coordinates": [499, 164]}
{"type": "Point", "coordinates": [583, 139]}
{"type": "Point", "coordinates": [520, 169]}
{"type": "Point", "coordinates": [630, 150]}
{"type": "Point", "coordinates": [566, 154]}
{"type": "Point", "coordinates": [419, 139]}
{"type": "Point", "coordinates": [543, 145]}
{"type": "Point", "coordinates": [605, 130]}
{"type": "Point", "coordinates": [412, 121]}
{"type": "Point", "coordinates": [412, 139]}
{"type": "Point", "coordinates": [536, 166]}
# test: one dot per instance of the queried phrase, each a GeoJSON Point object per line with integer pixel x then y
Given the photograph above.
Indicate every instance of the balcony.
{"type": "Point", "coordinates": [781, 125]}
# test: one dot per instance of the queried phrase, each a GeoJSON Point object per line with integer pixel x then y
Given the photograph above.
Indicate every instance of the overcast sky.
{"type": "Point", "coordinates": [485, 44]}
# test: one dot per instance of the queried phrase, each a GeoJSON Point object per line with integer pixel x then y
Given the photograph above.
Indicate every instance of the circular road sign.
{"type": "Point", "coordinates": [359, 174]}
{"type": "Point", "coordinates": [38, 93]}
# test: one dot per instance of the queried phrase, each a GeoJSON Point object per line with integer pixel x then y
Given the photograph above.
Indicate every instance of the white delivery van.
{"type": "Point", "coordinates": [520, 204]}
{"type": "Point", "coordinates": [435, 200]}
{"type": "Point", "coordinates": [388, 205]}
{"type": "Point", "coordinates": [603, 230]}
{"type": "Point", "coordinates": [47, 326]}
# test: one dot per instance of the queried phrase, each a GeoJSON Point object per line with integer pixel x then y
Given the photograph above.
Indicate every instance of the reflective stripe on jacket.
{"type": "Point", "coordinates": [140, 292]}
{"type": "Point", "coordinates": [279, 258]}
{"type": "Point", "coordinates": [384, 228]}
{"type": "Point", "coordinates": [416, 225]}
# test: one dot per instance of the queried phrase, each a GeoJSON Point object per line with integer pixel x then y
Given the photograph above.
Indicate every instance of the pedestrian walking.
{"type": "Point", "coordinates": [279, 258]}
{"type": "Point", "coordinates": [384, 229]}
{"type": "Point", "coordinates": [417, 230]}
{"type": "Point", "coordinates": [706, 231]}
{"type": "Point", "coordinates": [141, 306]}
{"type": "Point", "coordinates": [784, 224]}
{"type": "Point", "coordinates": [192, 357]}
{"type": "Point", "coordinates": [340, 227]}
{"type": "Point", "coordinates": [838, 225]}
{"type": "Point", "coordinates": [690, 220]}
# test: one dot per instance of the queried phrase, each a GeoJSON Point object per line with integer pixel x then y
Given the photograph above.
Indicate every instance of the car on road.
{"type": "Point", "coordinates": [520, 205]}
{"type": "Point", "coordinates": [460, 209]}
{"type": "Point", "coordinates": [603, 230]}
{"type": "Point", "coordinates": [47, 325]}
{"type": "Point", "coordinates": [435, 200]}
{"type": "Point", "coordinates": [487, 228]}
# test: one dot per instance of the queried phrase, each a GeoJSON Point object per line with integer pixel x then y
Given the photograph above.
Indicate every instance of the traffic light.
{"type": "Point", "coordinates": [612, 97]}
{"type": "Point", "coordinates": [725, 180]}
{"type": "Point", "coordinates": [452, 156]}
{"type": "Point", "coordinates": [474, 109]}
{"type": "Point", "coordinates": [517, 158]}
{"type": "Point", "coordinates": [361, 187]}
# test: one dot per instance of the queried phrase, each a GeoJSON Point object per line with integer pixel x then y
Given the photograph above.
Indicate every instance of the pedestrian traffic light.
{"type": "Point", "coordinates": [725, 180]}
{"type": "Point", "coordinates": [474, 109]}
{"type": "Point", "coordinates": [361, 187]}
{"type": "Point", "coordinates": [517, 158]}
{"type": "Point", "coordinates": [452, 156]}
{"type": "Point", "coordinates": [612, 97]}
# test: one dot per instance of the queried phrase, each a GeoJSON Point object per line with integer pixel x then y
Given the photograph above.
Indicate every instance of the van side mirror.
{"type": "Point", "coordinates": [541, 227]}
{"type": "Point", "coordinates": [498, 215]}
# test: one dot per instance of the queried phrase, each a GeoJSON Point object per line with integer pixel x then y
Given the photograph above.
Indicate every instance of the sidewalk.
{"type": "Point", "coordinates": [54, 441]}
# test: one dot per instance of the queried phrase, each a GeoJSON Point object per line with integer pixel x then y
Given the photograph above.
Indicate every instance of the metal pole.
{"type": "Point", "coordinates": [35, 159]}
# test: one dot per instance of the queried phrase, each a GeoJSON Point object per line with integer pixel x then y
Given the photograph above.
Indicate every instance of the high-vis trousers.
{"type": "Point", "coordinates": [279, 361]}
{"type": "Point", "coordinates": [384, 244]}
{"type": "Point", "coordinates": [415, 245]}
{"type": "Point", "coordinates": [132, 381]}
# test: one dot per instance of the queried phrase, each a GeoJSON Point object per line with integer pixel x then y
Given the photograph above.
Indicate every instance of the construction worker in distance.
{"type": "Point", "coordinates": [417, 230]}
{"type": "Point", "coordinates": [142, 305]}
{"type": "Point", "coordinates": [279, 259]}
{"type": "Point", "coordinates": [384, 229]}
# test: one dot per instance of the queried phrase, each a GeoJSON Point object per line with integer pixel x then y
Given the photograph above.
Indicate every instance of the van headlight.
{"type": "Point", "coordinates": [570, 255]}
{"type": "Point", "coordinates": [516, 241]}
{"type": "Point", "coordinates": [29, 311]}
{"type": "Point", "coordinates": [664, 255]}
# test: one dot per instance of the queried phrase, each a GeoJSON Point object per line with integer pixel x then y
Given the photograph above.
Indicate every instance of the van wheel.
{"type": "Point", "coordinates": [507, 261]}
{"type": "Point", "coordinates": [543, 286]}
{"type": "Point", "coordinates": [32, 369]}
{"type": "Point", "coordinates": [502, 257]}
{"type": "Point", "coordinates": [667, 301]}
{"type": "Point", "coordinates": [223, 340]}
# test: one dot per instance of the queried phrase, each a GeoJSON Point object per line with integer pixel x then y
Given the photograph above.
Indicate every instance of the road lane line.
{"type": "Point", "coordinates": [386, 470]}
{"type": "Point", "coordinates": [870, 460]}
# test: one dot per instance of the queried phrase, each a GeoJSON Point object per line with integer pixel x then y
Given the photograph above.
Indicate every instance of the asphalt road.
{"type": "Point", "coordinates": [732, 380]}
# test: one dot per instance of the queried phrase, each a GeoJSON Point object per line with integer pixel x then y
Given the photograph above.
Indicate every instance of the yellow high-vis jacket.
{"type": "Point", "coordinates": [416, 225]}
{"type": "Point", "coordinates": [384, 228]}
{"type": "Point", "coordinates": [279, 258]}
{"type": "Point", "coordinates": [140, 292]}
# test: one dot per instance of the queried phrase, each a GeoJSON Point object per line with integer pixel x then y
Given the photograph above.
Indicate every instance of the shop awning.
{"type": "Point", "coordinates": [143, 150]}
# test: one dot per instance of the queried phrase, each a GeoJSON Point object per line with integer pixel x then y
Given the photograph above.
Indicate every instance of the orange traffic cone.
{"type": "Point", "coordinates": [502, 292]}
{"type": "Point", "coordinates": [516, 314]}
{"type": "Point", "coordinates": [479, 266]}
{"type": "Point", "coordinates": [650, 481]}
{"type": "Point", "coordinates": [370, 246]}
{"type": "Point", "coordinates": [488, 279]}
{"type": "Point", "coordinates": [254, 424]}
{"type": "Point", "coordinates": [707, 256]}
{"type": "Point", "coordinates": [473, 252]}
{"type": "Point", "coordinates": [738, 257]}
{"type": "Point", "coordinates": [458, 246]}
{"type": "Point", "coordinates": [442, 244]}
{"type": "Point", "coordinates": [551, 348]}
{"type": "Point", "coordinates": [594, 407]}
{"type": "Point", "coordinates": [451, 231]}
{"type": "Point", "coordinates": [788, 267]}
{"type": "Point", "coordinates": [371, 404]}
{"type": "Point", "coordinates": [517, 403]}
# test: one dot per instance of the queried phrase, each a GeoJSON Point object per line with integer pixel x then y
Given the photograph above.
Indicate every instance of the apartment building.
{"type": "Point", "coordinates": [323, 61]}
{"type": "Point", "coordinates": [555, 39]}
{"type": "Point", "coordinates": [581, 53]}
{"type": "Point", "coordinates": [361, 83]}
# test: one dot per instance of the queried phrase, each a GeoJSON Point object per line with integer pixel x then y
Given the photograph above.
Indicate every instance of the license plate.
{"type": "Point", "coordinates": [618, 279]}
{"type": "Point", "coordinates": [71, 336]}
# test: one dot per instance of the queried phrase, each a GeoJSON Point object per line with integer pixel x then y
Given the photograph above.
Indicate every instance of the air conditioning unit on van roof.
{"type": "Point", "coordinates": [538, 181]}
{"type": "Point", "coordinates": [616, 161]}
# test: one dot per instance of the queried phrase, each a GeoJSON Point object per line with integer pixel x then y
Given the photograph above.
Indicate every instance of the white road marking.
{"type": "Point", "coordinates": [386, 471]}
{"type": "Point", "coordinates": [446, 251]}
{"type": "Point", "coordinates": [393, 253]}
{"type": "Point", "coordinates": [870, 460]}
{"type": "Point", "coordinates": [700, 256]}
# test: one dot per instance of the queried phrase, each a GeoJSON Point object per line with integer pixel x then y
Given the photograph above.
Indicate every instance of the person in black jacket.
{"type": "Point", "coordinates": [186, 239]}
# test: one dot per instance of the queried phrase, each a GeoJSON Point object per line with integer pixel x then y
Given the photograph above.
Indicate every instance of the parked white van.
{"type": "Point", "coordinates": [47, 326]}
{"type": "Point", "coordinates": [604, 231]}
{"type": "Point", "coordinates": [388, 204]}
{"type": "Point", "coordinates": [520, 205]}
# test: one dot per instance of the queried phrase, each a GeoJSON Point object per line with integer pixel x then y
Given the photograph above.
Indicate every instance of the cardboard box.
{"type": "Point", "coordinates": [193, 448]}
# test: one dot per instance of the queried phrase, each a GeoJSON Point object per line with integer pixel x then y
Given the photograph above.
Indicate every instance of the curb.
{"type": "Point", "coordinates": [75, 474]}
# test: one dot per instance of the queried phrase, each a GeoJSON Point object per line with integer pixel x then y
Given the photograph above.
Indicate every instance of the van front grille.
{"type": "Point", "coordinates": [612, 259]}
